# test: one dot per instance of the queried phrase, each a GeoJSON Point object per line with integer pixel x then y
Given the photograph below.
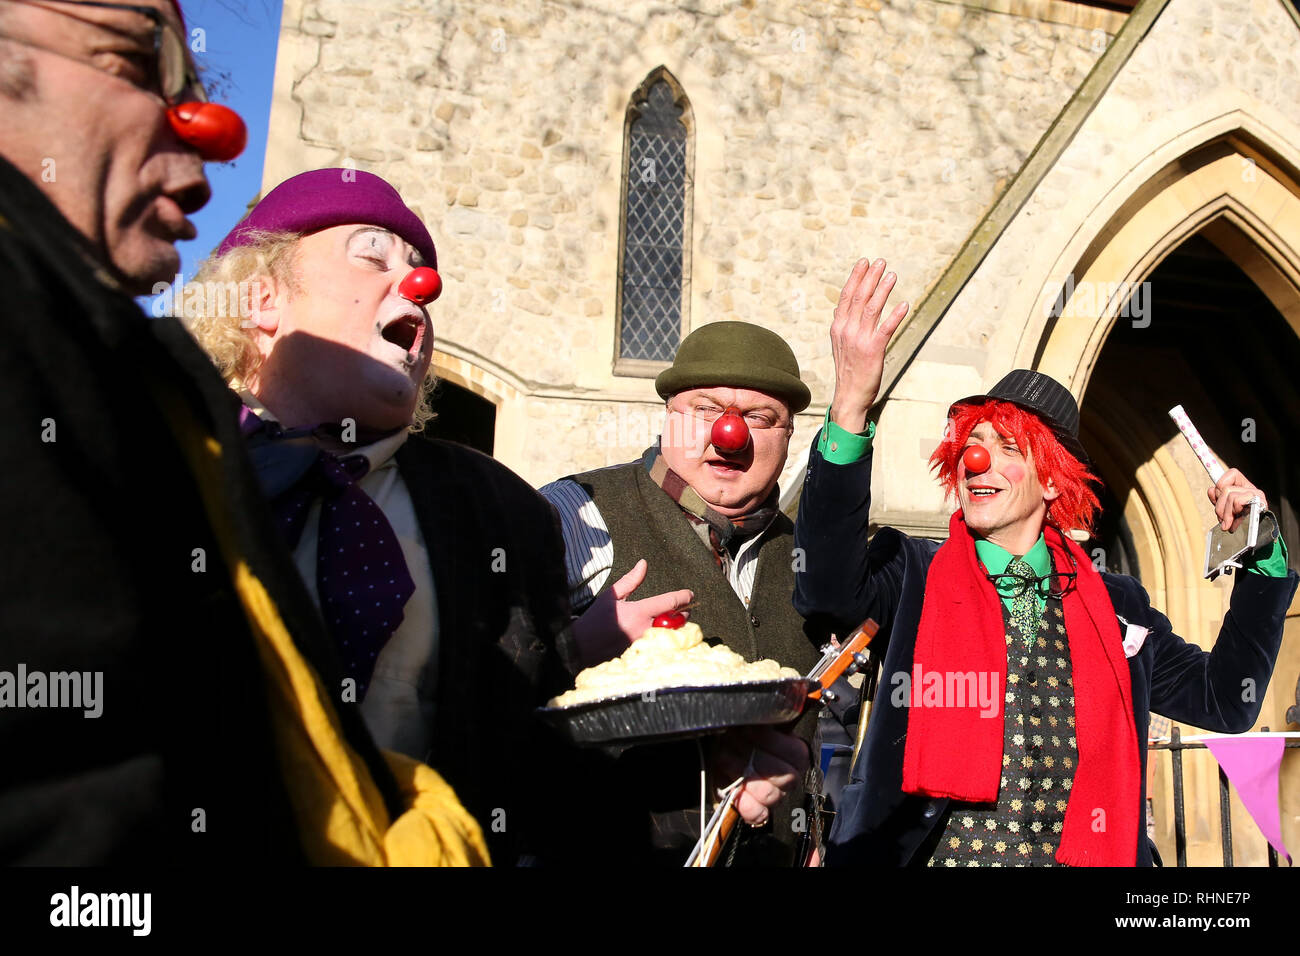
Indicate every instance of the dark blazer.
{"type": "Point", "coordinates": [847, 580]}
{"type": "Point", "coordinates": [503, 620]}
{"type": "Point", "coordinates": [110, 564]}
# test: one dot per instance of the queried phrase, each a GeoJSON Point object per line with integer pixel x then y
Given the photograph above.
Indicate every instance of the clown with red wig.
{"type": "Point", "coordinates": [1010, 724]}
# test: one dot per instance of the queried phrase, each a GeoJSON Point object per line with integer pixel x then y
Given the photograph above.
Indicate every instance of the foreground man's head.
{"type": "Point", "coordinates": [102, 109]}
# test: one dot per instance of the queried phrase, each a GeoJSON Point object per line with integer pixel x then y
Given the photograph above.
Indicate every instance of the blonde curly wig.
{"type": "Point", "coordinates": [215, 304]}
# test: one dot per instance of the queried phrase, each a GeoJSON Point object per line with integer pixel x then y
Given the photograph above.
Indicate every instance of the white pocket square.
{"type": "Point", "coordinates": [1134, 637]}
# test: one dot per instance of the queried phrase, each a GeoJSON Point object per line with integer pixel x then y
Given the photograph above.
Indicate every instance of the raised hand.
{"type": "Point", "coordinates": [858, 341]}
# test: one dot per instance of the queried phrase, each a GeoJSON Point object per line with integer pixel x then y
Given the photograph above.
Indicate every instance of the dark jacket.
{"type": "Point", "coordinates": [847, 580]}
{"type": "Point", "coordinates": [503, 614]}
{"type": "Point", "coordinates": [110, 564]}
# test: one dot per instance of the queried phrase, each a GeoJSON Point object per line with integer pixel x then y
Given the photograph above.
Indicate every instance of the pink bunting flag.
{"type": "Point", "coordinates": [1252, 762]}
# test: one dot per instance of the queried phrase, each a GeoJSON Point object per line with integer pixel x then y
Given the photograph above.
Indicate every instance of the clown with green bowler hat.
{"type": "Point", "coordinates": [696, 519]}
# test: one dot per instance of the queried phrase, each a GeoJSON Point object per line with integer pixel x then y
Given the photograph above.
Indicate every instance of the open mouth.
{"type": "Point", "coordinates": [983, 492]}
{"type": "Point", "coordinates": [724, 467]}
{"type": "Point", "coordinates": [405, 332]}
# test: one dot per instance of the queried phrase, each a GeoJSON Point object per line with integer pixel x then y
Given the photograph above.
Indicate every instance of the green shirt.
{"type": "Point", "coordinates": [996, 558]}
{"type": "Point", "coordinates": [841, 447]}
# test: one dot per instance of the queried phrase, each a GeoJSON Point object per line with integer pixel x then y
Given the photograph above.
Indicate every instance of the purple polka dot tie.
{"type": "Point", "coordinates": [361, 575]}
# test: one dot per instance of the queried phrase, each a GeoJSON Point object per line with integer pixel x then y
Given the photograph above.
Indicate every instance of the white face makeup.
{"type": "Point", "coordinates": [345, 344]}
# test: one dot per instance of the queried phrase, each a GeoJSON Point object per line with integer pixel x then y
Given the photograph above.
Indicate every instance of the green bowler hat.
{"type": "Point", "coordinates": [736, 355]}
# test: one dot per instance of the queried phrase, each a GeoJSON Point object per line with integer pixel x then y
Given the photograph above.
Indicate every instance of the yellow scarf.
{"type": "Point", "coordinates": [339, 810]}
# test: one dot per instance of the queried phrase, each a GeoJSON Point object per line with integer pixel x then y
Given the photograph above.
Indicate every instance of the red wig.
{"type": "Point", "coordinates": [1077, 504]}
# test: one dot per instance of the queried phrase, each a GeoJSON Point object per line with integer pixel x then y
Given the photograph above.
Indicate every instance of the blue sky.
{"type": "Point", "coordinates": [239, 69]}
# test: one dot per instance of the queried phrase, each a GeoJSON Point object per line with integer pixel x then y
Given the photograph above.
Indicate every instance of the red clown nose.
{"type": "Point", "coordinates": [730, 433]}
{"type": "Point", "coordinates": [216, 131]}
{"type": "Point", "coordinates": [422, 286]}
{"type": "Point", "coordinates": [976, 459]}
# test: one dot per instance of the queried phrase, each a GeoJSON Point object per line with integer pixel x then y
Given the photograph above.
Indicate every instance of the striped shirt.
{"type": "Point", "coordinates": [589, 552]}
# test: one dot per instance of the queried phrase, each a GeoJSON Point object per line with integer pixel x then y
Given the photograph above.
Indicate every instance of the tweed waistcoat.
{"type": "Point", "coordinates": [645, 523]}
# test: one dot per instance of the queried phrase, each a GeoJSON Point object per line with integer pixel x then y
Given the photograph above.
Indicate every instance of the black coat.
{"type": "Point", "coordinates": [110, 564]}
{"type": "Point", "coordinates": [848, 580]}
{"type": "Point", "coordinates": [497, 560]}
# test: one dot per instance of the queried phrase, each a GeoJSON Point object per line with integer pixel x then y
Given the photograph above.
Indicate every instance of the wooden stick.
{"type": "Point", "coordinates": [727, 824]}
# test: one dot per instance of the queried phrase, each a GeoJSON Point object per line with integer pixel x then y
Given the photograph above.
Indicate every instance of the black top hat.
{"type": "Point", "coordinates": [1045, 397]}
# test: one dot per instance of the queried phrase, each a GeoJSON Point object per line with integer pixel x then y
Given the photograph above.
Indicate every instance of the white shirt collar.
{"type": "Point", "coordinates": [377, 454]}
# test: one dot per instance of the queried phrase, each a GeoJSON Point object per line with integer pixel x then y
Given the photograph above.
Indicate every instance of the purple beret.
{"type": "Point", "coordinates": [333, 197]}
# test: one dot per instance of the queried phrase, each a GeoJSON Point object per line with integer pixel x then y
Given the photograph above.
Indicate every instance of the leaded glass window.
{"type": "Point", "coordinates": [654, 268]}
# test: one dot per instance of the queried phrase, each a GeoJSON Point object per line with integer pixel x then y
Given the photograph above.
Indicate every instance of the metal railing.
{"type": "Point", "coordinates": [1176, 746]}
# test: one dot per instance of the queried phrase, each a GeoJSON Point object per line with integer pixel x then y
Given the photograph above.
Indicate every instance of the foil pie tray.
{"type": "Point", "coordinates": [670, 713]}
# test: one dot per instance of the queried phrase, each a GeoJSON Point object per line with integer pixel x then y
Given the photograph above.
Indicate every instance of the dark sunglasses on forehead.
{"type": "Point", "coordinates": [174, 73]}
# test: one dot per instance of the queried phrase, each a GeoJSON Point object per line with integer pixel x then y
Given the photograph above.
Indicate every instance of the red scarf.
{"type": "Point", "coordinates": [953, 752]}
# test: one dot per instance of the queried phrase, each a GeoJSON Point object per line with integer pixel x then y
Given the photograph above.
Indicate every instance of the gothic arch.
{"type": "Point", "coordinates": [1233, 185]}
{"type": "Point", "coordinates": [1235, 192]}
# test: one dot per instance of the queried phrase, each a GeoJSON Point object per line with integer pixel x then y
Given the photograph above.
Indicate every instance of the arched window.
{"type": "Point", "coordinates": [655, 226]}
